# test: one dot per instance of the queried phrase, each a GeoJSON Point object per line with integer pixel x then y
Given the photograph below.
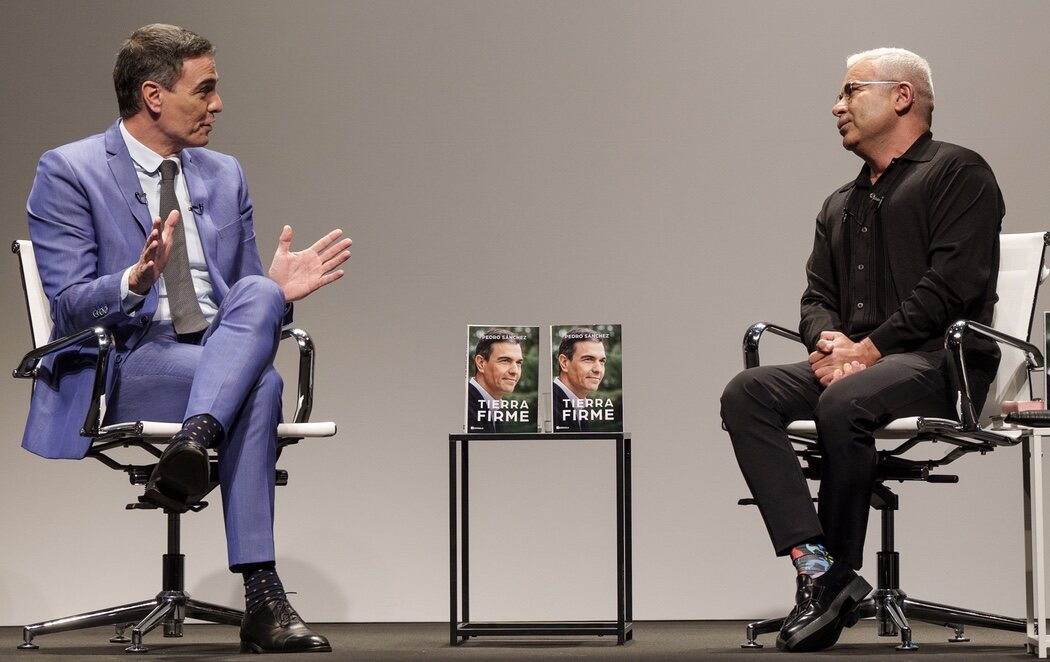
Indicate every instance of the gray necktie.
{"type": "Point", "coordinates": [185, 310]}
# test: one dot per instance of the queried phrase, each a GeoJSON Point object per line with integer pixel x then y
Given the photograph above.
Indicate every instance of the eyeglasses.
{"type": "Point", "coordinates": [851, 86]}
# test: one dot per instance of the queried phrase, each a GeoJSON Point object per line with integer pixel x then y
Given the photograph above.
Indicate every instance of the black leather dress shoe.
{"type": "Point", "coordinates": [275, 627]}
{"type": "Point", "coordinates": [803, 592]}
{"type": "Point", "coordinates": [822, 608]}
{"type": "Point", "coordinates": [181, 474]}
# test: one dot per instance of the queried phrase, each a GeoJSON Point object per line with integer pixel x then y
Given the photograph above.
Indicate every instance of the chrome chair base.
{"type": "Point", "coordinates": [170, 608]}
{"type": "Point", "coordinates": [891, 609]}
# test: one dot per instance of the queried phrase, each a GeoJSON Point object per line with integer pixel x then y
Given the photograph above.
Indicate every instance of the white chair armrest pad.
{"type": "Point", "coordinates": [163, 431]}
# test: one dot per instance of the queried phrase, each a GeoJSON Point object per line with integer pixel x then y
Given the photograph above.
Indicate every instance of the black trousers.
{"type": "Point", "coordinates": [757, 405]}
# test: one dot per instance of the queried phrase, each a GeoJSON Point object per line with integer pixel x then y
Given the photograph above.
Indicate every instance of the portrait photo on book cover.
{"type": "Point", "coordinates": [502, 391]}
{"type": "Point", "coordinates": [587, 383]}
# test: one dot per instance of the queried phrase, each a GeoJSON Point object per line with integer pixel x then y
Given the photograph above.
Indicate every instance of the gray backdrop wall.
{"type": "Point", "coordinates": [656, 164]}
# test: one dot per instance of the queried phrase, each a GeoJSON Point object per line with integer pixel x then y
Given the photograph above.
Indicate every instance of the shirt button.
{"type": "Point", "coordinates": [864, 229]}
{"type": "Point", "coordinates": [860, 305]}
{"type": "Point", "coordinates": [860, 267]}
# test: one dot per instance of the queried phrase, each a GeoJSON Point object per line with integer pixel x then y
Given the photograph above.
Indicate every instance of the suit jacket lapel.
{"type": "Point", "coordinates": [196, 178]}
{"type": "Point", "coordinates": [127, 180]}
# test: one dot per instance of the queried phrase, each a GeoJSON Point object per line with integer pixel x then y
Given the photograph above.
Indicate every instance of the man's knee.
{"type": "Point", "coordinates": [261, 296]}
{"type": "Point", "coordinates": [735, 395]}
{"type": "Point", "coordinates": [744, 396]}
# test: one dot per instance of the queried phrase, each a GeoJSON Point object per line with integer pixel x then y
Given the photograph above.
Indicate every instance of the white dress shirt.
{"type": "Point", "coordinates": [147, 167]}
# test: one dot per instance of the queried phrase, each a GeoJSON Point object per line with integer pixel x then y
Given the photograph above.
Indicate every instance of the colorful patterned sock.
{"type": "Point", "coordinates": [811, 559]}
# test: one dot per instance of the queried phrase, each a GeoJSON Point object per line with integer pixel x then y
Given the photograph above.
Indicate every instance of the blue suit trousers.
{"type": "Point", "coordinates": [229, 374]}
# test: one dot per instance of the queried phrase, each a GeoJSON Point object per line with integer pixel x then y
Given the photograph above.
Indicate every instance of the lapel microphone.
{"type": "Point", "coordinates": [196, 209]}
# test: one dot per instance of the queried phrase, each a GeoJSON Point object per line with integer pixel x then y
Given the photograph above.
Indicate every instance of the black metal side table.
{"type": "Point", "coordinates": [460, 625]}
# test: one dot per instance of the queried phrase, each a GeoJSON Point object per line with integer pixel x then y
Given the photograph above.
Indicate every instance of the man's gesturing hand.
{"type": "Point", "coordinates": [302, 272]}
{"type": "Point", "coordinates": [154, 255]}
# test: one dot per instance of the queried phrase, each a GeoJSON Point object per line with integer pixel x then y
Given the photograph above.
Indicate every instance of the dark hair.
{"type": "Point", "coordinates": [493, 336]}
{"type": "Point", "coordinates": [153, 52]}
{"type": "Point", "coordinates": [579, 334]}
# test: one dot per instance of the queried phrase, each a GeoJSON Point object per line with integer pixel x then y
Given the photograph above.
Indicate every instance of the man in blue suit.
{"type": "Point", "coordinates": [144, 231]}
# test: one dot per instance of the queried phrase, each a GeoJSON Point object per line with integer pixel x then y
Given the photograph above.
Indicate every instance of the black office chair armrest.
{"type": "Point", "coordinates": [954, 339]}
{"type": "Point", "coordinates": [753, 336]}
{"type": "Point", "coordinates": [31, 361]}
{"type": "Point", "coordinates": [27, 368]}
{"type": "Point", "coordinates": [304, 402]}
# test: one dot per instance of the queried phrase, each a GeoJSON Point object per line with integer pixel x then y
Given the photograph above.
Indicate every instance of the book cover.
{"type": "Point", "coordinates": [503, 366]}
{"type": "Point", "coordinates": [587, 379]}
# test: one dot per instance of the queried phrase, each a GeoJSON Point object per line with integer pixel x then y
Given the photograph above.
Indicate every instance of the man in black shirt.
{"type": "Point", "coordinates": [901, 252]}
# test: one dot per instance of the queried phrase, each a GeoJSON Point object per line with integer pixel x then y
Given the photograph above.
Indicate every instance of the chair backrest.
{"type": "Point", "coordinates": [36, 301]}
{"type": "Point", "coordinates": [1021, 269]}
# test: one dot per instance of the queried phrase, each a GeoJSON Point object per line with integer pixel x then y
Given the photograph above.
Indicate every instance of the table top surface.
{"type": "Point", "coordinates": [537, 436]}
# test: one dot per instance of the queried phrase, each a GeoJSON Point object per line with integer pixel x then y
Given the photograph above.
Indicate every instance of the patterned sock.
{"type": "Point", "coordinates": [261, 584]}
{"type": "Point", "coordinates": [811, 559]}
{"type": "Point", "coordinates": [203, 428]}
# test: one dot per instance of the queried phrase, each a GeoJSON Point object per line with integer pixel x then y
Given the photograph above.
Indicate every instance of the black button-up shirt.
{"type": "Point", "coordinates": [901, 259]}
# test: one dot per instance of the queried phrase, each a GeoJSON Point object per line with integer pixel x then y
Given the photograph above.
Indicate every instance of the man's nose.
{"type": "Point", "coordinates": [216, 104]}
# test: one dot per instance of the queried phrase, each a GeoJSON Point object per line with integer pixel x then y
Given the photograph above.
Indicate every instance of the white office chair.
{"type": "Point", "coordinates": [1021, 271]}
{"type": "Point", "coordinates": [172, 605]}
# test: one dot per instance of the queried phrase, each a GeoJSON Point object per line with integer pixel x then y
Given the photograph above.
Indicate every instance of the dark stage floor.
{"type": "Point", "coordinates": [654, 640]}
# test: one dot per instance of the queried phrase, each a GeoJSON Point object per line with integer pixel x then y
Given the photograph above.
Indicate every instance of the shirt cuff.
{"type": "Point", "coordinates": [129, 300]}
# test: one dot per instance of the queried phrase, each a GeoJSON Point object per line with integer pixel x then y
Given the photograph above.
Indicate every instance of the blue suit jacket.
{"type": "Point", "coordinates": [87, 228]}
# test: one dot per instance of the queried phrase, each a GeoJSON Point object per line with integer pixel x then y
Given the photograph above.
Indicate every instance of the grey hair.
{"type": "Point", "coordinates": [902, 65]}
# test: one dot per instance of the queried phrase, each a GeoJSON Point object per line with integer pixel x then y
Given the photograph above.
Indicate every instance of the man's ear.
{"type": "Point", "coordinates": [479, 363]}
{"type": "Point", "coordinates": [151, 96]}
{"type": "Point", "coordinates": [563, 362]}
{"type": "Point", "coordinates": [905, 98]}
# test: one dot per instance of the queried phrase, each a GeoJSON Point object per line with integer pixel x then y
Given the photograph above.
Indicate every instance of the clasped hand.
{"type": "Point", "coordinates": [837, 356]}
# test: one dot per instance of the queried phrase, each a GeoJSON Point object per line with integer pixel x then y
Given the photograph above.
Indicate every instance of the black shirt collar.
{"type": "Point", "coordinates": [923, 149]}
